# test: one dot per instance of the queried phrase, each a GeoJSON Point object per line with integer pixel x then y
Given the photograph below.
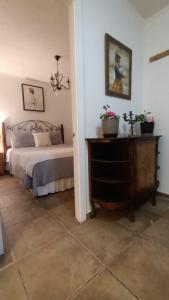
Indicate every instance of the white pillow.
{"type": "Point", "coordinates": [42, 139]}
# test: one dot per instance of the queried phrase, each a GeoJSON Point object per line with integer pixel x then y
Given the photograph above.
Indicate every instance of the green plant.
{"type": "Point", "coordinates": [108, 114]}
{"type": "Point", "coordinates": [145, 117]}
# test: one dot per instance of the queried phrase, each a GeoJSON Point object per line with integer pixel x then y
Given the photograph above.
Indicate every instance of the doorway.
{"type": "Point", "coordinates": [78, 109]}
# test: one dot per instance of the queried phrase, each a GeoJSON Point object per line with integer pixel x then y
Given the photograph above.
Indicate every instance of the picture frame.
{"type": "Point", "coordinates": [33, 98]}
{"type": "Point", "coordinates": [118, 68]}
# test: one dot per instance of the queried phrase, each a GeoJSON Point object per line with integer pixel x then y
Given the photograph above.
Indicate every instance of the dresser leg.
{"type": "Point", "coordinates": [131, 215]}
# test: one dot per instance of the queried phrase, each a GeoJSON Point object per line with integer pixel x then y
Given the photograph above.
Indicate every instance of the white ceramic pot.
{"type": "Point", "coordinates": [110, 128]}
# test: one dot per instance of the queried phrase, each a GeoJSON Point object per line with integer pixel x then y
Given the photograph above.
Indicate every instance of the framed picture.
{"type": "Point", "coordinates": [118, 68]}
{"type": "Point", "coordinates": [33, 98]}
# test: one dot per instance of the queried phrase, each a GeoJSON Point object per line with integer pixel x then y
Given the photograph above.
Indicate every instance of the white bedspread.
{"type": "Point", "coordinates": [27, 158]}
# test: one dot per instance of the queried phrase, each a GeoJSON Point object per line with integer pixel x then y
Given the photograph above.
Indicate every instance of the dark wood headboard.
{"type": "Point", "coordinates": [29, 126]}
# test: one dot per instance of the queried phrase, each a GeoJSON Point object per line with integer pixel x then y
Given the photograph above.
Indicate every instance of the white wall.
{"type": "Point", "coordinates": [32, 32]}
{"type": "Point", "coordinates": [119, 19]}
{"type": "Point", "coordinates": [57, 108]}
{"type": "Point", "coordinates": [92, 20]}
{"type": "Point", "coordinates": [156, 86]}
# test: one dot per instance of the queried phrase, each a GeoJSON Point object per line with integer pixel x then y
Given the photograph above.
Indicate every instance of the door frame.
{"type": "Point", "coordinates": [78, 109]}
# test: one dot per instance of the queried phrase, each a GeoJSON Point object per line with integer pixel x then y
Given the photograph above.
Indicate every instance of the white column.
{"type": "Point", "coordinates": [78, 108]}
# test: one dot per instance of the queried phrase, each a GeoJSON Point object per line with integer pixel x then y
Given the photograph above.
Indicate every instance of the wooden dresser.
{"type": "Point", "coordinates": [122, 172]}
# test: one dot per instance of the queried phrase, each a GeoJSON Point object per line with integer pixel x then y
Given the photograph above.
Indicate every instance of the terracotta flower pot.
{"type": "Point", "coordinates": [110, 128]}
{"type": "Point", "coordinates": [147, 128]}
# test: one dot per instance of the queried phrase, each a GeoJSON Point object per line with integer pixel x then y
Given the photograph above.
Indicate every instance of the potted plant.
{"type": "Point", "coordinates": [146, 123]}
{"type": "Point", "coordinates": [110, 122]}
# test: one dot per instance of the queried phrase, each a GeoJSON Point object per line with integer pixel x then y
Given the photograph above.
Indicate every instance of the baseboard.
{"type": "Point", "coordinates": [163, 195]}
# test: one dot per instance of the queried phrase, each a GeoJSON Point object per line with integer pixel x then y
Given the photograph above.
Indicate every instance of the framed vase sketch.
{"type": "Point", "coordinates": [118, 68]}
{"type": "Point", "coordinates": [33, 98]}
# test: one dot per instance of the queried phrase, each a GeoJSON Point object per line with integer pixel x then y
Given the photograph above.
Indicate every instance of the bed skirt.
{"type": "Point", "coordinates": [59, 185]}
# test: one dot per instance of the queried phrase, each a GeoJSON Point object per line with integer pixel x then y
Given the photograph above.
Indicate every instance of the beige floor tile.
{"type": "Point", "coordinates": [25, 237]}
{"type": "Point", "coordinates": [62, 207]}
{"type": "Point", "coordinates": [52, 201]}
{"type": "Point", "coordinates": [61, 266]}
{"type": "Point", "coordinates": [5, 191]}
{"type": "Point", "coordinates": [22, 196]}
{"type": "Point", "coordinates": [6, 258]}
{"type": "Point", "coordinates": [104, 237]}
{"type": "Point", "coordinates": [55, 272]}
{"type": "Point", "coordinates": [65, 212]}
{"type": "Point", "coordinates": [159, 232]}
{"type": "Point", "coordinates": [165, 215]}
{"type": "Point", "coordinates": [143, 219]}
{"type": "Point", "coordinates": [8, 180]}
{"type": "Point", "coordinates": [11, 287]}
{"type": "Point", "coordinates": [9, 186]}
{"type": "Point", "coordinates": [49, 202]}
{"type": "Point", "coordinates": [143, 268]}
{"type": "Point", "coordinates": [160, 208]}
{"type": "Point", "coordinates": [104, 287]}
{"type": "Point", "coordinates": [19, 212]}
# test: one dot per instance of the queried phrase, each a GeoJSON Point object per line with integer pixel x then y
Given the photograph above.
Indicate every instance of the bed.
{"type": "Point", "coordinates": [46, 167]}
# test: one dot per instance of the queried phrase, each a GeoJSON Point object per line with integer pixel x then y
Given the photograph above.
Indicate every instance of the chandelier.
{"type": "Point", "coordinates": [57, 81]}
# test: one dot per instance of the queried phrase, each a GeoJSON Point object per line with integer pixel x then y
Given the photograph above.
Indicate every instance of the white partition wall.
{"type": "Point", "coordinates": [90, 21]}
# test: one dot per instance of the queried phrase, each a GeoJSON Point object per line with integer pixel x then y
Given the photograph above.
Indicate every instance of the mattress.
{"type": "Point", "coordinates": [37, 167]}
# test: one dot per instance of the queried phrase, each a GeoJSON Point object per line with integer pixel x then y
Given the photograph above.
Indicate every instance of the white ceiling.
{"type": "Point", "coordinates": [148, 8]}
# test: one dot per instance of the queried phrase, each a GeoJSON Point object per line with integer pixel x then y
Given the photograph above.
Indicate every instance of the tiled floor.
{"type": "Point", "coordinates": [49, 256]}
